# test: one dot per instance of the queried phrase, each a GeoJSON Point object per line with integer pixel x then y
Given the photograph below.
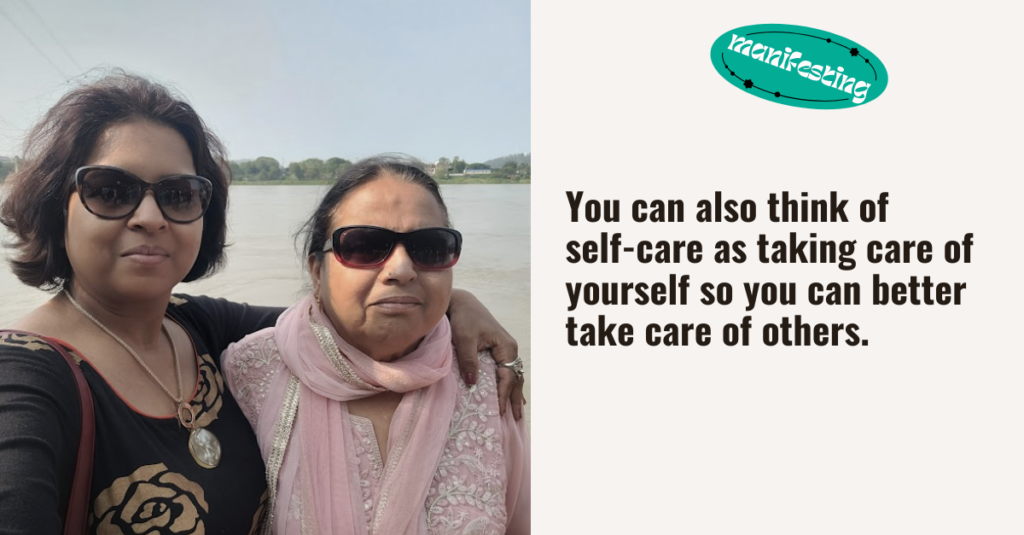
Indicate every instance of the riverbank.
{"type": "Point", "coordinates": [456, 180]}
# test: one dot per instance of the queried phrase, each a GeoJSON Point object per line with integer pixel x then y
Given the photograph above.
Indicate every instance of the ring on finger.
{"type": "Point", "coordinates": [516, 366]}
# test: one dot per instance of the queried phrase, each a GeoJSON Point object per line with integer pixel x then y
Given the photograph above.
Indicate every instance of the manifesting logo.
{"type": "Point", "coordinates": [799, 66]}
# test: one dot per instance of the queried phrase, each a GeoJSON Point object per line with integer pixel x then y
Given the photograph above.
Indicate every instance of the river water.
{"type": "Point", "coordinates": [264, 267]}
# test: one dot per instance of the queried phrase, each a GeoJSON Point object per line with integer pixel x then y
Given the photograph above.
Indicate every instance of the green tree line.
{"type": "Point", "coordinates": [265, 168]}
{"type": "Point", "coordinates": [511, 171]}
{"type": "Point", "coordinates": [260, 169]}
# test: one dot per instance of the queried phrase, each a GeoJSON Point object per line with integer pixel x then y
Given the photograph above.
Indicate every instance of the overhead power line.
{"type": "Point", "coordinates": [51, 34]}
{"type": "Point", "coordinates": [29, 39]}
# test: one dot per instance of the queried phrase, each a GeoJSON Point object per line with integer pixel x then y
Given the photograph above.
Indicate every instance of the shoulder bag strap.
{"type": "Point", "coordinates": [78, 505]}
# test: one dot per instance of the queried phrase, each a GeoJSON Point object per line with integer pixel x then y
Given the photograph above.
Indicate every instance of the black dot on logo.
{"type": "Point", "coordinates": [866, 60]}
{"type": "Point", "coordinates": [777, 94]}
{"type": "Point", "coordinates": [829, 40]}
{"type": "Point", "coordinates": [732, 73]}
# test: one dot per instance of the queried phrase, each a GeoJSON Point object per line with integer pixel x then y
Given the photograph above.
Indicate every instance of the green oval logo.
{"type": "Point", "coordinates": [799, 66]}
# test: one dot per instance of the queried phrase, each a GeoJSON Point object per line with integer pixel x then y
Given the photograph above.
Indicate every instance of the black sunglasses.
{"type": "Point", "coordinates": [113, 193]}
{"type": "Point", "coordinates": [363, 246]}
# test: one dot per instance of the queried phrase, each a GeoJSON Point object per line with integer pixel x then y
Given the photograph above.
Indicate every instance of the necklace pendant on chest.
{"type": "Point", "coordinates": [204, 447]}
{"type": "Point", "coordinates": [202, 443]}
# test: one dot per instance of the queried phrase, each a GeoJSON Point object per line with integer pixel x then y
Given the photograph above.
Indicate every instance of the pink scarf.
{"type": "Point", "coordinates": [318, 468]}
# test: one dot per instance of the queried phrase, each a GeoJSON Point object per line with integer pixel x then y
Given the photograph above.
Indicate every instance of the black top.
{"type": "Point", "coordinates": [143, 473]}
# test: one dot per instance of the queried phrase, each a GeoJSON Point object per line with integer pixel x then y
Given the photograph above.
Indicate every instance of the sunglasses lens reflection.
{"type": "Point", "coordinates": [182, 198]}
{"type": "Point", "coordinates": [109, 193]}
{"type": "Point", "coordinates": [365, 247]}
{"type": "Point", "coordinates": [113, 194]}
{"type": "Point", "coordinates": [432, 248]}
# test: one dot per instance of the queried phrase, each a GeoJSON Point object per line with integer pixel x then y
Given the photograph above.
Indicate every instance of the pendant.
{"type": "Point", "coordinates": [205, 447]}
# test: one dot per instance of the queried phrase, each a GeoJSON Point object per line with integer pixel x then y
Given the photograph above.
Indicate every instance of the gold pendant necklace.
{"type": "Point", "coordinates": [202, 444]}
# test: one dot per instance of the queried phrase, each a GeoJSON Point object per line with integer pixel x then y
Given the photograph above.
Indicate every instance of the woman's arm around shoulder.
{"type": "Point", "coordinates": [474, 329]}
{"type": "Point", "coordinates": [515, 448]}
{"type": "Point", "coordinates": [40, 425]}
{"type": "Point", "coordinates": [221, 322]}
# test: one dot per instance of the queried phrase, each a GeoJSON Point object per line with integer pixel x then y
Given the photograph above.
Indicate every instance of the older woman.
{"type": "Point", "coordinates": [123, 196]}
{"type": "Point", "coordinates": [355, 396]}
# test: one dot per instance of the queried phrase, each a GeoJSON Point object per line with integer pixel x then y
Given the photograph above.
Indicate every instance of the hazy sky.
{"type": "Point", "coordinates": [291, 80]}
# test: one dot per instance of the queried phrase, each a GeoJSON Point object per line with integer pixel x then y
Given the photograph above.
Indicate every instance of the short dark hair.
{"type": "Point", "coordinates": [318, 227]}
{"type": "Point", "coordinates": [35, 207]}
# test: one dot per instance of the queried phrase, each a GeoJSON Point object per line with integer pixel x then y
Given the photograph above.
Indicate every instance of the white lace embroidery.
{"type": "Point", "coordinates": [469, 482]}
{"type": "Point", "coordinates": [367, 442]}
{"type": "Point", "coordinates": [371, 465]}
{"type": "Point", "coordinates": [467, 494]}
{"type": "Point", "coordinates": [254, 368]}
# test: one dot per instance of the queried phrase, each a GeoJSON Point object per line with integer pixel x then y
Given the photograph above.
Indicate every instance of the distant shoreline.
{"type": "Point", "coordinates": [459, 180]}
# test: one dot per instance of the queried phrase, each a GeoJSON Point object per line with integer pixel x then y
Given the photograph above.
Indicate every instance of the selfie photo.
{"type": "Point", "coordinates": [271, 276]}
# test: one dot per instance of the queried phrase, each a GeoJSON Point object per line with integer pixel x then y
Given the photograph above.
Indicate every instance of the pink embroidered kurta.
{"type": "Point", "coordinates": [481, 485]}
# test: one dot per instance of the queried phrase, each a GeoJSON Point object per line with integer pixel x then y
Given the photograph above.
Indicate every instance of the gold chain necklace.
{"type": "Point", "coordinates": [203, 444]}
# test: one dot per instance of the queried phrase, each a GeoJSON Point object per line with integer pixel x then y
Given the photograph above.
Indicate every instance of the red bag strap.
{"type": "Point", "coordinates": [81, 484]}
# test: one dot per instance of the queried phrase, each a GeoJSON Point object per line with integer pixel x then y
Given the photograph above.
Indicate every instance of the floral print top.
{"type": "Point", "coordinates": [145, 480]}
